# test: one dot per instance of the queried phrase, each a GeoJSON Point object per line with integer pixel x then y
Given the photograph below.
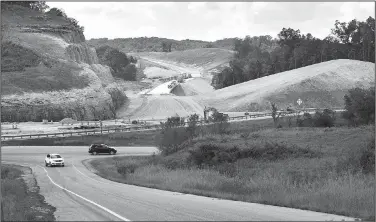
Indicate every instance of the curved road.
{"type": "Point", "coordinates": [80, 195]}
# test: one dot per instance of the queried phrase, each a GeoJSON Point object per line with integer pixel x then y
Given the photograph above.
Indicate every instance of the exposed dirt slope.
{"type": "Point", "coordinates": [192, 87]}
{"type": "Point", "coordinates": [319, 85]}
{"type": "Point", "coordinates": [47, 61]}
{"type": "Point", "coordinates": [161, 107]}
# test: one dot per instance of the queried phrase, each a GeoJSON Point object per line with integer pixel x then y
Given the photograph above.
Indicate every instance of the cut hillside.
{"type": "Point", "coordinates": [319, 86]}
{"type": "Point", "coordinates": [46, 63]}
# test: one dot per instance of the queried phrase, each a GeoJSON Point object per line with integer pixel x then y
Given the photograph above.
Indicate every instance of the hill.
{"type": "Point", "coordinates": [161, 107]}
{"type": "Point", "coordinates": [47, 66]}
{"type": "Point", "coordinates": [201, 61]}
{"type": "Point", "coordinates": [318, 85]}
{"type": "Point", "coordinates": [154, 44]}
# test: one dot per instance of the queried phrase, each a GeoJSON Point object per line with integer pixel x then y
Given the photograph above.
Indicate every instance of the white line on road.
{"type": "Point", "coordinates": [92, 202]}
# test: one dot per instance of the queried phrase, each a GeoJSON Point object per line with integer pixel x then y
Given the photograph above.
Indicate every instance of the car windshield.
{"type": "Point", "coordinates": [55, 156]}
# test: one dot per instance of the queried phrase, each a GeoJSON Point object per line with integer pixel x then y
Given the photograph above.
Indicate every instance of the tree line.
{"type": "Point", "coordinates": [260, 56]}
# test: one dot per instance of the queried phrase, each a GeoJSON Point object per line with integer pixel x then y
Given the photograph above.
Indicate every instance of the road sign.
{"type": "Point", "coordinates": [299, 101]}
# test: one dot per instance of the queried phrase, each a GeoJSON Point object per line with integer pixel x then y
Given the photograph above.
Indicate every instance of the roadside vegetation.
{"type": "Point", "coordinates": [320, 162]}
{"type": "Point", "coordinates": [21, 201]}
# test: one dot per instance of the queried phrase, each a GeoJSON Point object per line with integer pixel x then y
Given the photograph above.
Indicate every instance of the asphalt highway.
{"type": "Point", "coordinates": [80, 195]}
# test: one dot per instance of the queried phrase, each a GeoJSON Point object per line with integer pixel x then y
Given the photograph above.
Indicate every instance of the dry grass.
{"type": "Point", "coordinates": [317, 183]}
{"type": "Point", "coordinates": [18, 203]}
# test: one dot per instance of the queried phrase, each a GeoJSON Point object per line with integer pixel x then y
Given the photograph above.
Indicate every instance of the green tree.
{"type": "Point", "coordinates": [360, 106]}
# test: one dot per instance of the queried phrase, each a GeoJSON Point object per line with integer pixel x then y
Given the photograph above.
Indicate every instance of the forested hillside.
{"type": "Point", "coordinates": [155, 44]}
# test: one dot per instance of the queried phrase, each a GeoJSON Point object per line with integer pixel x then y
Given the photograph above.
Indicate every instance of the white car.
{"type": "Point", "coordinates": [54, 159]}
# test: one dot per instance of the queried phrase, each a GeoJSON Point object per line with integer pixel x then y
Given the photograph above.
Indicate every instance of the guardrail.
{"type": "Point", "coordinates": [145, 127]}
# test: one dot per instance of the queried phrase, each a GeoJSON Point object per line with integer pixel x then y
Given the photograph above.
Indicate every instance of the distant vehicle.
{"type": "Point", "coordinates": [101, 148]}
{"type": "Point", "coordinates": [54, 160]}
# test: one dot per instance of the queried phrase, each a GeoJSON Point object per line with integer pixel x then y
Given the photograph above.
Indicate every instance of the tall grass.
{"type": "Point", "coordinates": [17, 202]}
{"type": "Point", "coordinates": [299, 168]}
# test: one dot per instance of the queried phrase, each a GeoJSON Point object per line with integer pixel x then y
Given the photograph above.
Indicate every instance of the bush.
{"type": "Point", "coordinates": [227, 169]}
{"type": "Point", "coordinates": [125, 169]}
{"type": "Point", "coordinates": [211, 154]}
{"type": "Point", "coordinates": [192, 125]}
{"type": "Point", "coordinates": [367, 158]}
{"type": "Point", "coordinates": [172, 140]}
{"type": "Point", "coordinates": [57, 12]}
{"type": "Point", "coordinates": [174, 121]}
{"type": "Point", "coordinates": [306, 121]}
{"type": "Point", "coordinates": [134, 122]}
{"type": "Point", "coordinates": [324, 119]}
{"type": "Point", "coordinates": [360, 106]}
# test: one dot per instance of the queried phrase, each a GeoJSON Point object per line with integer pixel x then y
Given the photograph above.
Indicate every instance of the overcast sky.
{"type": "Point", "coordinates": [210, 21]}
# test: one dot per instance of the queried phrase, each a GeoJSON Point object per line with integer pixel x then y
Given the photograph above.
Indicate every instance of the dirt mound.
{"type": "Point", "coordinates": [161, 107]}
{"type": "Point", "coordinates": [319, 85]}
{"type": "Point", "coordinates": [56, 65]}
{"type": "Point", "coordinates": [192, 87]}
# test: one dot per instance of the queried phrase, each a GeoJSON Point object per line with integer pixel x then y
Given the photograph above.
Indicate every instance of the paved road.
{"type": "Point", "coordinates": [80, 195]}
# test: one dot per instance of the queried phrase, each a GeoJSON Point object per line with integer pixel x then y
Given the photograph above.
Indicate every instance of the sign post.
{"type": "Point", "coordinates": [299, 102]}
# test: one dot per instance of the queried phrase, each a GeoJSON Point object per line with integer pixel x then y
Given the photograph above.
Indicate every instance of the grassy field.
{"type": "Point", "coordinates": [319, 169]}
{"type": "Point", "coordinates": [21, 201]}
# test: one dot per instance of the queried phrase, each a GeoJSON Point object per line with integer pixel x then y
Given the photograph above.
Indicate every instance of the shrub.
{"type": "Point", "coordinates": [172, 139]}
{"type": "Point", "coordinates": [367, 158]}
{"type": "Point", "coordinates": [227, 169]}
{"type": "Point", "coordinates": [211, 154]}
{"type": "Point", "coordinates": [57, 12]}
{"type": "Point", "coordinates": [360, 106]}
{"type": "Point", "coordinates": [125, 169]}
{"type": "Point", "coordinates": [174, 121]}
{"type": "Point", "coordinates": [324, 119]}
{"type": "Point", "coordinates": [306, 121]}
{"type": "Point", "coordinates": [275, 114]}
{"type": "Point", "coordinates": [192, 125]}
{"type": "Point", "coordinates": [134, 122]}
{"type": "Point", "coordinates": [220, 120]}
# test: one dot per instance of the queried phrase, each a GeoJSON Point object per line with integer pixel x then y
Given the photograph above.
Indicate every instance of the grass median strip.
{"type": "Point", "coordinates": [21, 200]}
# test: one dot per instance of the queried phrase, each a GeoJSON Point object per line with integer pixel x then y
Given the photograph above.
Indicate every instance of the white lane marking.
{"type": "Point", "coordinates": [88, 176]}
{"type": "Point", "coordinates": [92, 202]}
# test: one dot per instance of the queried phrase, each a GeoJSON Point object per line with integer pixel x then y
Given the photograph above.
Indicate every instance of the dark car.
{"type": "Point", "coordinates": [101, 148]}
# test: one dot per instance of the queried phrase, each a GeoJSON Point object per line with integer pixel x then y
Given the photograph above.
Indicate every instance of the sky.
{"type": "Point", "coordinates": [210, 21]}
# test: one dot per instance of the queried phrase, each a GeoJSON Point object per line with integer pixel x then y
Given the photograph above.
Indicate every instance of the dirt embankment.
{"type": "Point", "coordinates": [320, 85]}
{"type": "Point", "coordinates": [48, 65]}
